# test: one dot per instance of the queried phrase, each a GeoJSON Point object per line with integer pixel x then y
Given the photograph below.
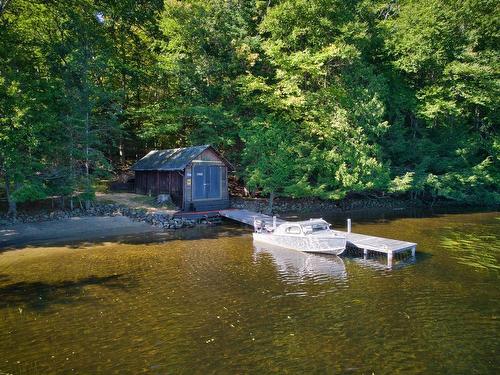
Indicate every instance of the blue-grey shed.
{"type": "Point", "coordinates": [195, 177]}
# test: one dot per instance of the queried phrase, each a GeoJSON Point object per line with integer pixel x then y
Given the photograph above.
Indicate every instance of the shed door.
{"type": "Point", "coordinates": [213, 173]}
{"type": "Point", "coordinates": [207, 180]}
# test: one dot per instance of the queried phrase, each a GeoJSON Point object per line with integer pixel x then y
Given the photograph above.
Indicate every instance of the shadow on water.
{"type": "Point", "coordinates": [41, 295]}
{"type": "Point", "coordinates": [159, 236]}
{"type": "Point", "coordinates": [379, 261]}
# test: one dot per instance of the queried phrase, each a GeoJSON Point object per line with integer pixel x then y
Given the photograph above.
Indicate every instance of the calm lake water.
{"type": "Point", "coordinates": [208, 302]}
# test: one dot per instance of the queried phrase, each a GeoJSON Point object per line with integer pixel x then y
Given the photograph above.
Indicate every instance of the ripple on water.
{"type": "Point", "coordinates": [220, 305]}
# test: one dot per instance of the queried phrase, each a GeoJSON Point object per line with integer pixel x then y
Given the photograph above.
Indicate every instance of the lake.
{"type": "Point", "coordinates": [207, 301]}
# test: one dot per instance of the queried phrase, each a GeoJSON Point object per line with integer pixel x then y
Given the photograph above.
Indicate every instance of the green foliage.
{"type": "Point", "coordinates": [29, 192]}
{"type": "Point", "coordinates": [447, 54]}
{"type": "Point", "coordinates": [306, 97]}
{"type": "Point", "coordinates": [271, 154]}
{"type": "Point", "coordinates": [60, 110]}
{"type": "Point", "coordinates": [322, 83]}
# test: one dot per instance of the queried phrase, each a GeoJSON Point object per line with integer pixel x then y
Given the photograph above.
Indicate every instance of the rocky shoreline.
{"type": "Point", "coordinates": [158, 219]}
{"type": "Point", "coordinates": [166, 219]}
{"type": "Point", "coordinates": [290, 205]}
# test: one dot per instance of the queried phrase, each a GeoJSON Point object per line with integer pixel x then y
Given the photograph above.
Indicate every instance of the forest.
{"type": "Point", "coordinates": [307, 98]}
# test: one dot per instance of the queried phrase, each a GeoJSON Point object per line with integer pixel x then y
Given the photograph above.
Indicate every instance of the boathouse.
{"type": "Point", "coordinates": [195, 177]}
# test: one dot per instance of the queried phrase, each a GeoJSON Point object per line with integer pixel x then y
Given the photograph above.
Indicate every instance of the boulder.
{"type": "Point", "coordinates": [163, 199]}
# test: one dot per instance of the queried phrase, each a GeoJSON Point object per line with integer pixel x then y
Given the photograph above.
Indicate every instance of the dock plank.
{"type": "Point", "coordinates": [247, 217]}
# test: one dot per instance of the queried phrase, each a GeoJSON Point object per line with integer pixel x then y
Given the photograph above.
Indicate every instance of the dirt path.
{"type": "Point", "coordinates": [136, 201]}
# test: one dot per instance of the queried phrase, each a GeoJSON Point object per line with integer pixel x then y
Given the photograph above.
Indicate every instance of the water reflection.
{"type": "Point", "coordinates": [477, 250]}
{"type": "Point", "coordinates": [302, 265]}
{"type": "Point", "coordinates": [379, 262]}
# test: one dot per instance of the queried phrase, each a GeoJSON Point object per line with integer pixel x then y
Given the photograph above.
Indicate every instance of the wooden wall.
{"type": "Point", "coordinates": [208, 155]}
{"type": "Point", "coordinates": [158, 182]}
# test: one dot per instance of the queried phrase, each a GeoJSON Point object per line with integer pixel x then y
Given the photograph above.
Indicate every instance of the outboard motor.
{"type": "Point", "coordinates": [258, 225]}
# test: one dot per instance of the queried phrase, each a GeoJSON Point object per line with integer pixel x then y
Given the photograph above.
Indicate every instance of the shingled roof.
{"type": "Point", "coordinates": [174, 159]}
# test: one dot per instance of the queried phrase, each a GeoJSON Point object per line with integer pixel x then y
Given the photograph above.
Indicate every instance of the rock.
{"type": "Point", "coordinates": [158, 219]}
{"type": "Point", "coordinates": [163, 198]}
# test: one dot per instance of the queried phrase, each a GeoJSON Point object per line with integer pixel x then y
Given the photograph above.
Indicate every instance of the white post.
{"type": "Point", "coordinates": [413, 250]}
{"type": "Point", "coordinates": [274, 222]}
{"type": "Point", "coordinates": [348, 225]}
{"type": "Point", "coordinates": [365, 253]}
{"type": "Point", "coordinates": [389, 258]}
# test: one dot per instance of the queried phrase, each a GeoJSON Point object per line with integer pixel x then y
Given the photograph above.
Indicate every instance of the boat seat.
{"type": "Point", "coordinates": [268, 227]}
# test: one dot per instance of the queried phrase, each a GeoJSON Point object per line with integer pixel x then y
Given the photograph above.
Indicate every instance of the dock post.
{"type": "Point", "coordinates": [274, 222]}
{"type": "Point", "coordinates": [348, 225]}
{"type": "Point", "coordinates": [413, 250]}
{"type": "Point", "coordinates": [365, 254]}
{"type": "Point", "coordinates": [389, 258]}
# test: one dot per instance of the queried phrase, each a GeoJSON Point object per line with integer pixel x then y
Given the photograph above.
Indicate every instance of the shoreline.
{"type": "Point", "coordinates": [118, 226]}
{"type": "Point", "coordinates": [166, 219]}
{"type": "Point", "coordinates": [72, 230]}
{"type": "Point", "coordinates": [346, 205]}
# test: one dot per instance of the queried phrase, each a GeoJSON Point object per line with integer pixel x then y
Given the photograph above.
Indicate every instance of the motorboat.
{"type": "Point", "coordinates": [313, 236]}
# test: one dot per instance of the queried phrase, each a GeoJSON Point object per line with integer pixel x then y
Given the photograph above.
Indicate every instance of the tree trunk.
{"type": "Point", "coordinates": [12, 203]}
{"type": "Point", "coordinates": [88, 108]}
{"type": "Point", "coordinates": [71, 164]}
{"type": "Point", "coordinates": [125, 101]}
{"type": "Point", "coordinates": [87, 171]}
{"type": "Point", "coordinates": [121, 152]}
{"type": "Point", "coordinates": [271, 199]}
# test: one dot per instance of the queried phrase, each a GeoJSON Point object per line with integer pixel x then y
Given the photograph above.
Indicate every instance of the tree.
{"type": "Point", "coordinates": [271, 156]}
{"type": "Point", "coordinates": [321, 81]}
{"type": "Point", "coordinates": [316, 98]}
{"type": "Point", "coordinates": [23, 90]}
{"type": "Point", "coordinates": [446, 53]}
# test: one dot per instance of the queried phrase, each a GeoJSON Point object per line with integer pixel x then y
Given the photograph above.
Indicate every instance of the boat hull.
{"type": "Point", "coordinates": [310, 244]}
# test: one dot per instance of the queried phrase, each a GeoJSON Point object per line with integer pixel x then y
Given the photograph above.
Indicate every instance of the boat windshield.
{"type": "Point", "coordinates": [316, 227]}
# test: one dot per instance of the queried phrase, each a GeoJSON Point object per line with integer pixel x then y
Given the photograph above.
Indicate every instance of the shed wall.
{"type": "Point", "coordinates": [160, 182]}
{"type": "Point", "coordinates": [207, 157]}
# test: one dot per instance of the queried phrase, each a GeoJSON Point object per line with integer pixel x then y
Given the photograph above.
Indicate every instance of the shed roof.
{"type": "Point", "coordinates": [174, 159]}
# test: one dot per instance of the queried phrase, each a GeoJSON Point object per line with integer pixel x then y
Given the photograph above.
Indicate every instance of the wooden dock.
{"type": "Point", "coordinates": [363, 242]}
{"type": "Point", "coordinates": [247, 217]}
